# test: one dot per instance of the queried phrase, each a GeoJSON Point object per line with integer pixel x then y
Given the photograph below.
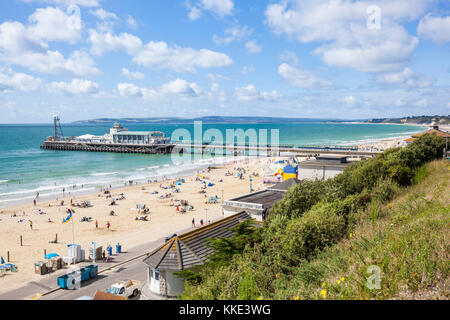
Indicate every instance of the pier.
{"type": "Point", "coordinates": [269, 150]}
{"type": "Point", "coordinates": [107, 147]}
{"type": "Point", "coordinates": [237, 150]}
{"type": "Point", "coordinates": [121, 140]}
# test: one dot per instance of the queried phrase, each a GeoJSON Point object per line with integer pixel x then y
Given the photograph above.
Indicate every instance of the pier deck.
{"type": "Point", "coordinates": [189, 148]}
{"type": "Point", "coordinates": [107, 147]}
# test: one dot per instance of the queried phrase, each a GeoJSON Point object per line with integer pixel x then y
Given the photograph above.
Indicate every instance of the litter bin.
{"type": "Point", "coordinates": [109, 250]}
{"type": "Point", "coordinates": [118, 248]}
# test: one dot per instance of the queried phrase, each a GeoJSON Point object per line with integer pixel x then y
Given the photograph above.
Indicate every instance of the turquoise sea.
{"type": "Point", "coordinates": [26, 169]}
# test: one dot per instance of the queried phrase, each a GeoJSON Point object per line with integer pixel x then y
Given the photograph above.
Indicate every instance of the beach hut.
{"type": "Point", "coordinates": [185, 252]}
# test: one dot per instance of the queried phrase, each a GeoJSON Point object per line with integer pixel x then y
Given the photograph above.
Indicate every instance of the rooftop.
{"type": "Point", "coordinates": [190, 249]}
{"type": "Point", "coordinates": [266, 198]}
{"type": "Point", "coordinates": [323, 163]}
{"type": "Point", "coordinates": [285, 185]}
{"type": "Point", "coordinates": [432, 131]}
{"type": "Point", "coordinates": [138, 133]}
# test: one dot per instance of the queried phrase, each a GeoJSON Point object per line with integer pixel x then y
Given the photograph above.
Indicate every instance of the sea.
{"type": "Point", "coordinates": [25, 169]}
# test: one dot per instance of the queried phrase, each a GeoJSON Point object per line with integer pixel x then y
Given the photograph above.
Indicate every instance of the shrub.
{"type": "Point", "coordinates": [299, 199]}
{"type": "Point", "coordinates": [385, 190]}
{"type": "Point", "coordinates": [317, 229]}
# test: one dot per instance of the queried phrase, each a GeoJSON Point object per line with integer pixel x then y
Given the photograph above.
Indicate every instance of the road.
{"type": "Point", "coordinates": [122, 268]}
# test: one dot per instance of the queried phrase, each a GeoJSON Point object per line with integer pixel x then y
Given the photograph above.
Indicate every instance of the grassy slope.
{"type": "Point", "coordinates": [409, 241]}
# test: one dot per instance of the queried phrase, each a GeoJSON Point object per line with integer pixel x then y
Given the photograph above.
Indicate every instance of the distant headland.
{"type": "Point", "coordinates": [418, 120]}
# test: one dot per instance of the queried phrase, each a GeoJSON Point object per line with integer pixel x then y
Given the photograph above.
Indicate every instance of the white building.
{"type": "Point", "coordinates": [184, 252]}
{"type": "Point", "coordinates": [120, 135]}
{"type": "Point", "coordinates": [322, 167]}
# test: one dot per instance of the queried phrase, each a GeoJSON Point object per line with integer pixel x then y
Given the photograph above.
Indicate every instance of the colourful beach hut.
{"type": "Point", "coordinates": [290, 172]}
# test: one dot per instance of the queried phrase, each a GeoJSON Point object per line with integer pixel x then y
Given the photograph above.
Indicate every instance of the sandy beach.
{"type": "Point", "coordinates": [385, 144]}
{"type": "Point", "coordinates": [164, 219]}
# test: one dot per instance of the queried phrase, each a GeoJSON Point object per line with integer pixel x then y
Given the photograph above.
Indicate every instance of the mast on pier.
{"type": "Point", "coordinates": [58, 134]}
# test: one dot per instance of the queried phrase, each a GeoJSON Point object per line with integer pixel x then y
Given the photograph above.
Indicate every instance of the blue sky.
{"type": "Point", "coordinates": [85, 59]}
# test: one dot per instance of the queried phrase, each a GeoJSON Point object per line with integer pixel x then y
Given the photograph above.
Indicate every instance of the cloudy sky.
{"type": "Point", "coordinates": [87, 59]}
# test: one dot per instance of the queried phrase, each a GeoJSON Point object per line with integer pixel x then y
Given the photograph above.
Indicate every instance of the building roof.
{"type": "Point", "coordinates": [331, 157]}
{"type": "Point", "coordinates": [265, 198]}
{"type": "Point", "coordinates": [323, 163]}
{"type": "Point", "coordinates": [136, 133]}
{"type": "Point", "coordinates": [431, 131]}
{"type": "Point", "coordinates": [190, 249]}
{"type": "Point", "coordinates": [285, 185]}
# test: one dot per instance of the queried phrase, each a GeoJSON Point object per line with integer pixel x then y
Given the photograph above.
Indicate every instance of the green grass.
{"type": "Point", "coordinates": [409, 242]}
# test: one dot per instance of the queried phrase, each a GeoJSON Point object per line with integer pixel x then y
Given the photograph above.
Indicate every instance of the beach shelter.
{"type": "Point", "coordinates": [51, 255]}
{"type": "Point", "coordinates": [210, 184]}
{"type": "Point", "coordinates": [290, 172]}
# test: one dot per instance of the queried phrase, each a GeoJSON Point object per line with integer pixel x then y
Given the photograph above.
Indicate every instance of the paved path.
{"type": "Point", "coordinates": [134, 269]}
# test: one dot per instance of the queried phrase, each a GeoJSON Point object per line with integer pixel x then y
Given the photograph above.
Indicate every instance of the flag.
{"type": "Point", "coordinates": [69, 217]}
{"type": "Point", "coordinates": [3, 260]}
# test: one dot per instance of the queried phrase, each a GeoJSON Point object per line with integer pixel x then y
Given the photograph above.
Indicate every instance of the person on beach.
{"type": "Point", "coordinates": [108, 225]}
{"type": "Point", "coordinates": [201, 222]}
{"type": "Point", "coordinates": [31, 225]}
{"type": "Point", "coordinates": [34, 202]}
{"type": "Point", "coordinates": [193, 222]}
{"type": "Point", "coordinates": [96, 224]}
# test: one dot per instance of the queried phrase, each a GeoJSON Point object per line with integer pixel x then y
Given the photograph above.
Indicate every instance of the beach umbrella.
{"type": "Point", "coordinates": [2, 260]}
{"type": "Point", "coordinates": [51, 255]}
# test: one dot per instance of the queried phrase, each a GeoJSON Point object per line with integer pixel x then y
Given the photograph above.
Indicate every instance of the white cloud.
{"type": "Point", "coordinates": [216, 77]}
{"type": "Point", "coordinates": [179, 87]}
{"type": "Point", "coordinates": [253, 47]}
{"type": "Point", "coordinates": [342, 27]}
{"type": "Point", "coordinates": [434, 28]}
{"type": "Point", "coordinates": [289, 57]}
{"type": "Point", "coordinates": [247, 69]}
{"type": "Point", "coordinates": [350, 100]}
{"type": "Point", "coordinates": [77, 86]}
{"type": "Point", "coordinates": [105, 41]}
{"type": "Point", "coordinates": [129, 90]}
{"type": "Point", "coordinates": [53, 24]}
{"type": "Point", "coordinates": [132, 75]}
{"type": "Point", "coordinates": [400, 103]}
{"type": "Point", "coordinates": [421, 103]}
{"type": "Point", "coordinates": [182, 87]}
{"type": "Point", "coordinates": [81, 3]}
{"type": "Point", "coordinates": [18, 81]}
{"type": "Point", "coordinates": [25, 46]}
{"type": "Point", "coordinates": [251, 93]}
{"type": "Point", "coordinates": [132, 22]}
{"type": "Point", "coordinates": [194, 13]}
{"type": "Point", "coordinates": [219, 7]}
{"type": "Point", "coordinates": [102, 14]}
{"type": "Point", "coordinates": [405, 78]}
{"type": "Point", "coordinates": [159, 55]}
{"type": "Point", "coordinates": [297, 77]}
{"type": "Point", "coordinates": [236, 33]}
